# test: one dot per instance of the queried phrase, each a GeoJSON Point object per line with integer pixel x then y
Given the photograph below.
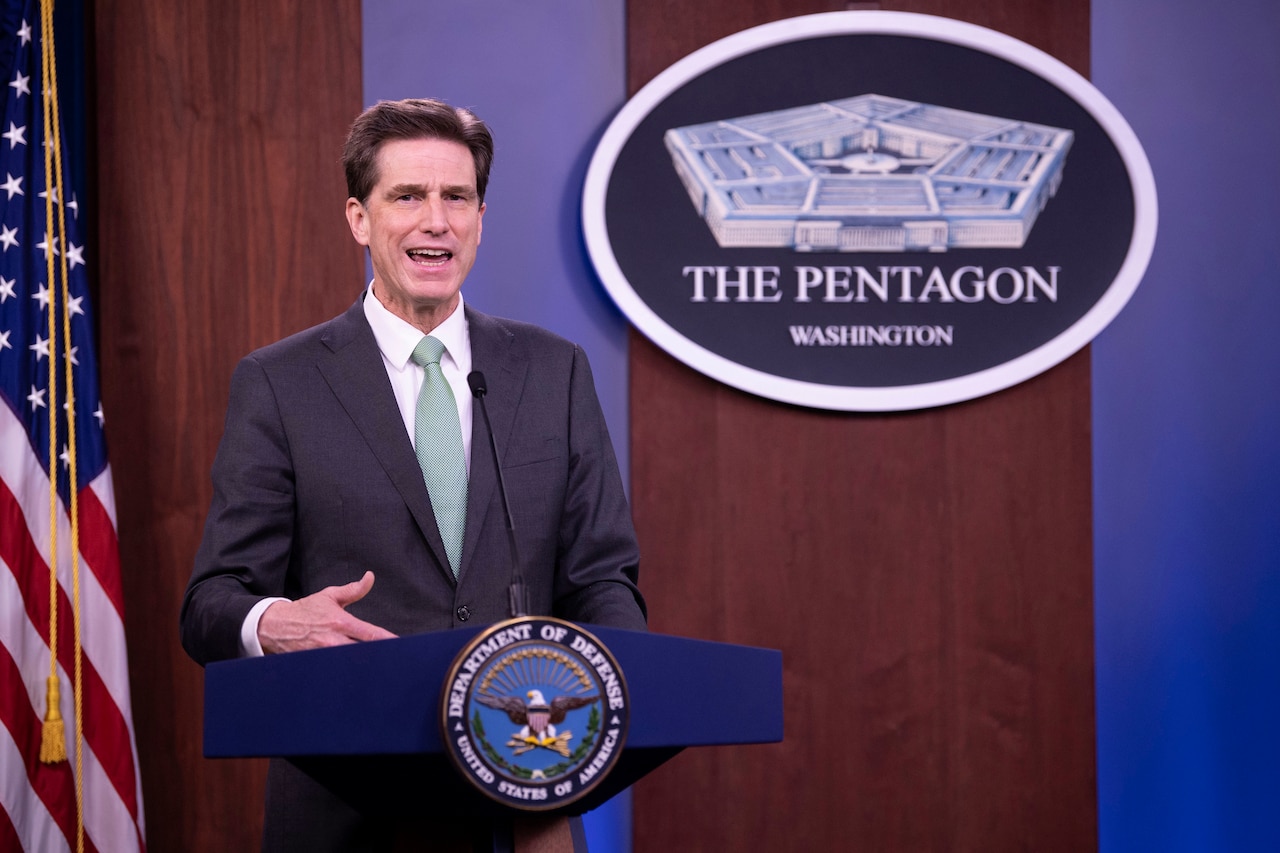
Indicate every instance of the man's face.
{"type": "Point", "coordinates": [422, 225]}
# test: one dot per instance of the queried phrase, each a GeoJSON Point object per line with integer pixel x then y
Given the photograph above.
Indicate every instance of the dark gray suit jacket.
{"type": "Point", "coordinates": [316, 481]}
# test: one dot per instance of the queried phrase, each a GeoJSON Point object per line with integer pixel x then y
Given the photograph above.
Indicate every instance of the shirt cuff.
{"type": "Point", "coordinates": [250, 647]}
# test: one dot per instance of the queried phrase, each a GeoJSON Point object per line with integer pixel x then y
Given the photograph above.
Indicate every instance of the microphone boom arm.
{"type": "Point", "coordinates": [518, 597]}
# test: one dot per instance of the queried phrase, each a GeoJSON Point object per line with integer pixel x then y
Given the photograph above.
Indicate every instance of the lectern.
{"type": "Point", "coordinates": [367, 716]}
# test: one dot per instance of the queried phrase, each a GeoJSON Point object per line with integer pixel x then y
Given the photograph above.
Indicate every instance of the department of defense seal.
{"type": "Point", "coordinates": [535, 712]}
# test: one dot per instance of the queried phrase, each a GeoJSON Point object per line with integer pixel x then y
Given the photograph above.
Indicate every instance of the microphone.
{"type": "Point", "coordinates": [517, 595]}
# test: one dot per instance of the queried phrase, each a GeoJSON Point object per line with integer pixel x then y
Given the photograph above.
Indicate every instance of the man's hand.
{"type": "Point", "coordinates": [318, 620]}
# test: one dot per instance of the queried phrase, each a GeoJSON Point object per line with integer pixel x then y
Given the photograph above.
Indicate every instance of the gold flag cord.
{"type": "Point", "coordinates": [53, 735]}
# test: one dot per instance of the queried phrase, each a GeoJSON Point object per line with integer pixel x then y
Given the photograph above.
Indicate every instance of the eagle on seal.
{"type": "Point", "coordinates": [537, 717]}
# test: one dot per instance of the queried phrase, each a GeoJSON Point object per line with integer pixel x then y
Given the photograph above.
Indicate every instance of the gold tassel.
{"type": "Point", "coordinates": [53, 736]}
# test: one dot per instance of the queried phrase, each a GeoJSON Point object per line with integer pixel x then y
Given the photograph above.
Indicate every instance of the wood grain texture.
{"type": "Point", "coordinates": [927, 575]}
{"type": "Point", "coordinates": [219, 228]}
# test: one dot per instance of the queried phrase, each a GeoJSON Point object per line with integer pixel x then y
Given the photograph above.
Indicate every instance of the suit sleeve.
{"type": "Point", "coordinates": [248, 536]}
{"type": "Point", "coordinates": [598, 557]}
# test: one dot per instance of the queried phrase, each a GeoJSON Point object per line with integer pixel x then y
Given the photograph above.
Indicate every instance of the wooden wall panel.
{"type": "Point", "coordinates": [219, 229]}
{"type": "Point", "coordinates": [927, 575]}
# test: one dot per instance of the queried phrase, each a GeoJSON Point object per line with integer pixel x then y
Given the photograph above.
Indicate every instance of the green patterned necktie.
{"type": "Point", "coordinates": [437, 438]}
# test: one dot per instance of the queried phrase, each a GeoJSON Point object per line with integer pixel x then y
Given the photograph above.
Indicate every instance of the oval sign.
{"type": "Point", "coordinates": [870, 211]}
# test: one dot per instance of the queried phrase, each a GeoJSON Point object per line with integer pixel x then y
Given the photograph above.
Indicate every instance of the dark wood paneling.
{"type": "Point", "coordinates": [220, 228]}
{"type": "Point", "coordinates": [927, 575]}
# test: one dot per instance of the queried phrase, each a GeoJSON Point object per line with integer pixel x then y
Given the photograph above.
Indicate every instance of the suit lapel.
{"type": "Point", "coordinates": [358, 379]}
{"type": "Point", "coordinates": [495, 353]}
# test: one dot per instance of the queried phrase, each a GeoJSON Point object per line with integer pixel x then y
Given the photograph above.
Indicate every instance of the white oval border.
{"type": "Point", "coordinates": [855, 398]}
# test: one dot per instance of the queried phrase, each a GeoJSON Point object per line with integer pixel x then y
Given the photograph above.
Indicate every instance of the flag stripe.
{"type": "Point", "coordinates": [99, 547]}
{"type": "Point", "coordinates": [105, 728]}
{"type": "Point", "coordinates": [105, 814]}
{"type": "Point", "coordinates": [111, 736]}
{"type": "Point", "coordinates": [52, 784]}
{"type": "Point", "coordinates": [103, 625]}
{"type": "Point", "coordinates": [9, 839]}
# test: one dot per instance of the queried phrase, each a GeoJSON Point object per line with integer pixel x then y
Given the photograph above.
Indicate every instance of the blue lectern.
{"type": "Point", "coordinates": [378, 704]}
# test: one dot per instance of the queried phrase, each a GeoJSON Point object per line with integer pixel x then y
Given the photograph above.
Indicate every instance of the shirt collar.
{"type": "Point", "coordinates": [396, 338]}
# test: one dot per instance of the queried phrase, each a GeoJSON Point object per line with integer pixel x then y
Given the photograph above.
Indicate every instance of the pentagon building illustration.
{"type": "Point", "coordinates": [870, 174]}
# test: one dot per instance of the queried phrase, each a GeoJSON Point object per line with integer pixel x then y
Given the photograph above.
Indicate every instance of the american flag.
{"type": "Point", "coordinates": [93, 799]}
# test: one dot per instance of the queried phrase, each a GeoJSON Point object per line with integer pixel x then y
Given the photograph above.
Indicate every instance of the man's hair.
{"type": "Point", "coordinates": [412, 118]}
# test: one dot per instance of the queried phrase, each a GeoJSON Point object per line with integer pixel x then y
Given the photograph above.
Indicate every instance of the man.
{"type": "Point", "coordinates": [328, 525]}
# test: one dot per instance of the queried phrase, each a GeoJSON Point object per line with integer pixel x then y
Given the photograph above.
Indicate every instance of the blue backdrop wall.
{"type": "Point", "coordinates": [1186, 457]}
{"type": "Point", "coordinates": [546, 77]}
{"type": "Point", "coordinates": [1186, 404]}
